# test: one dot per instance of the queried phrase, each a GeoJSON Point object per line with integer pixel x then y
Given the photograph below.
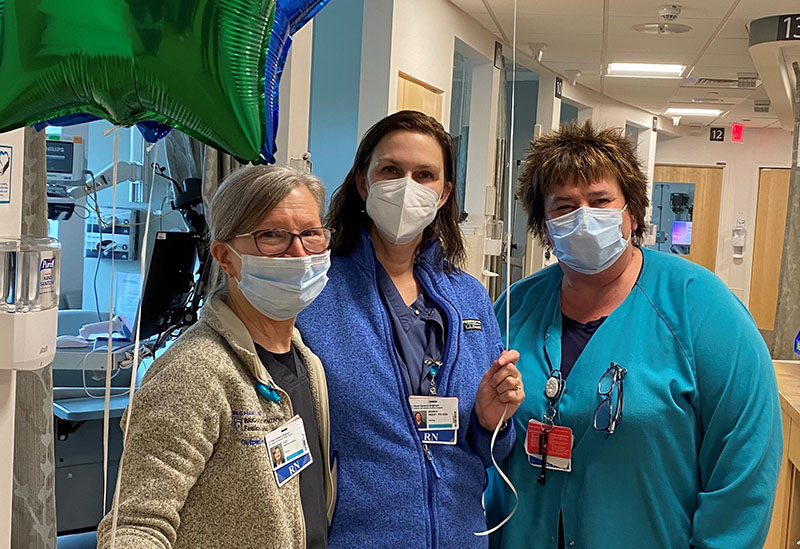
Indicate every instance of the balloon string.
{"type": "Point", "coordinates": [509, 199]}
{"type": "Point", "coordinates": [136, 340]}
{"type": "Point", "coordinates": [110, 342]}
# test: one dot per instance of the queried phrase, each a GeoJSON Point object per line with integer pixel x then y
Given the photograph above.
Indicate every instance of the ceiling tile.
{"type": "Point", "coordinates": [764, 8]}
{"type": "Point", "coordinates": [572, 29]}
{"type": "Point", "coordinates": [470, 6]}
{"type": "Point", "coordinates": [646, 44]}
{"type": "Point", "coordinates": [739, 62]}
{"type": "Point", "coordinates": [548, 7]}
{"type": "Point", "coordinates": [728, 46]}
{"type": "Point", "coordinates": [735, 28]}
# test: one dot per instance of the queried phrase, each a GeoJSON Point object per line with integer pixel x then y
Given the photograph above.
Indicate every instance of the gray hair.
{"type": "Point", "coordinates": [250, 193]}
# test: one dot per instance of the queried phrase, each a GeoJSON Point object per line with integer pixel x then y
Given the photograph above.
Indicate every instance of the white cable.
{"type": "Point", "coordinates": [136, 339]}
{"type": "Point", "coordinates": [509, 199]}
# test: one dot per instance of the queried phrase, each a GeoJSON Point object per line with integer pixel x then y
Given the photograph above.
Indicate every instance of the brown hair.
{"type": "Point", "coordinates": [347, 216]}
{"type": "Point", "coordinates": [581, 153]}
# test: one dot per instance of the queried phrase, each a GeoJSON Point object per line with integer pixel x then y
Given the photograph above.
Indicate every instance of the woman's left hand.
{"type": "Point", "coordinates": [501, 385]}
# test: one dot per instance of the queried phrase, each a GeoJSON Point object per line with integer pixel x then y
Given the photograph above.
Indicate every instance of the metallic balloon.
{"type": "Point", "coordinates": [199, 66]}
{"type": "Point", "coordinates": [290, 16]}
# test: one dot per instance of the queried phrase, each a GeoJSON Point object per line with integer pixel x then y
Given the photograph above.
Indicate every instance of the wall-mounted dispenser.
{"type": "Point", "coordinates": [738, 239]}
{"type": "Point", "coordinates": [492, 244]}
{"type": "Point", "coordinates": [29, 290]}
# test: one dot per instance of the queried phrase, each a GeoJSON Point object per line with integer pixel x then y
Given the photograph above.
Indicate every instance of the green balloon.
{"type": "Point", "coordinates": [195, 65]}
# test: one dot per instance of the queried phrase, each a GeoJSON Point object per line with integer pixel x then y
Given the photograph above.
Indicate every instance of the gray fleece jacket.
{"type": "Point", "coordinates": [195, 471]}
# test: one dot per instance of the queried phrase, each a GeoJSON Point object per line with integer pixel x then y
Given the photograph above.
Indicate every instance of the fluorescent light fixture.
{"type": "Point", "coordinates": [681, 111]}
{"type": "Point", "coordinates": [645, 70]}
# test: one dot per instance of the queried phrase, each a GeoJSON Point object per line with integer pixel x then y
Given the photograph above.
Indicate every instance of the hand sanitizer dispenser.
{"type": "Point", "coordinates": [29, 291]}
{"type": "Point", "coordinates": [738, 239]}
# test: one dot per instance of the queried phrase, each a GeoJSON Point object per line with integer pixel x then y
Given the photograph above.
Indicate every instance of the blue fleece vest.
{"type": "Point", "coordinates": [390, 495]}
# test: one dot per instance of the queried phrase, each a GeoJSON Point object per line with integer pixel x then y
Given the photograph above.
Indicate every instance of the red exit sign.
{"type": "Point", "coordinates": [737, 133]}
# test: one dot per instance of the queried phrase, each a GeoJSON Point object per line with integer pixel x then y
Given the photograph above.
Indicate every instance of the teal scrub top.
{"type": "Point", "coordinates": [695, 459]}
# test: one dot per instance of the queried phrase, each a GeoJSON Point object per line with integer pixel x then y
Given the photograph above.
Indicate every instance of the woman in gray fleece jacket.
{"type": "Point", "coordinates": [197, 470]}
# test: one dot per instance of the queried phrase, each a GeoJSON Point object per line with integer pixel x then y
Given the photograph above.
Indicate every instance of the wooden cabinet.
{"type": "Point", "coordinates": [784, 530]}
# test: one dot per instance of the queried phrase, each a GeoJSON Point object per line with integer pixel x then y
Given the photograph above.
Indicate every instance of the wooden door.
{"type": "Point", "coordinates": [773, 199]}
{"type": "Point", "coordinates": [705, 215]}
{"type": "Point", "coordinates": [416, 95]}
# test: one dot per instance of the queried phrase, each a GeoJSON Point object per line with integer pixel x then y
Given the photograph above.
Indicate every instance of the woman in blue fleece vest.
{"type": "Point", "coordinates": [399, 321]}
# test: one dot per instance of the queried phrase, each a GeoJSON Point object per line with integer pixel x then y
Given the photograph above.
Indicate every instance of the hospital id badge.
{"type": "Point", "coordinates": [288, 450]}
{"type": "Point", "coordinates": [436, 418]}
{"type": "Point", "coordinates": [559, 441]}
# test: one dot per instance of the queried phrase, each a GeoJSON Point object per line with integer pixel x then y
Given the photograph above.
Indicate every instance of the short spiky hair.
{"type": "Point", "coordinates": [579, 152]}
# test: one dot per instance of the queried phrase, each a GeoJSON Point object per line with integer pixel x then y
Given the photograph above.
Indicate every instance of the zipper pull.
{"type": "Point", "coordinates": [429, 455]}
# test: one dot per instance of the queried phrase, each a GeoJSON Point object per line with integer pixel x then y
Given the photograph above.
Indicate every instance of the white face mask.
{"type": "Point", "coordinates": [281, 287]}
{"type": "Point", "coordinates": [401, 208]}
{"type": "Point", "coordinates": [588, 240]}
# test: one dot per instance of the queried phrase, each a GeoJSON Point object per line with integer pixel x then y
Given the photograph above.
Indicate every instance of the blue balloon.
{"type": "Point", "coordinates": [290, 16]}
{"type": "Point", "coordinates": [151, 131]}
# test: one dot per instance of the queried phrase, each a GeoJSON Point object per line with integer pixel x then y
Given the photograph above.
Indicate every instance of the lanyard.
{"type": "Point", "coordinates": [553, 390]}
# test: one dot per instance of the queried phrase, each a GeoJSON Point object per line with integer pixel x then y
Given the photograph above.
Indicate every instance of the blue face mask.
{"type": "Point", "coordinates": [280, 287]}
{"type": "Point", "coordinates": [588, 240]}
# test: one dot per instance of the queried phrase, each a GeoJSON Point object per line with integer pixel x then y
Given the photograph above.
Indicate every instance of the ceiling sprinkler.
{"type": "Point", "coordinates": [537, 49]}
{"type": "Point", "coordinates": [572, 76]}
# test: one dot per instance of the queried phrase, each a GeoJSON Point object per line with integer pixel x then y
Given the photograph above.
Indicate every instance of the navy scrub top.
{"type": "Point", "coordinates": [418, 332]}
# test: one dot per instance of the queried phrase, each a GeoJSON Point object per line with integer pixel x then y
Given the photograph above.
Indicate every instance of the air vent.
{"type": "Point", "coordinates": [761, 105]}
{"type": "Point", "coordinates": [744, 81]}
{"type": "Point", "coordinates": [747, 79]}
{"type": "Point", "coordinates": [716, 83]}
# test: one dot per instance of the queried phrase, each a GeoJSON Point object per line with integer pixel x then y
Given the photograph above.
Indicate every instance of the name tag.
{"type": "Point", "coordinates": [288, 450]}
{"type": "Point", "coordinates": [436, 418]}
{"type": "Point", "coordinates": [559, 446]}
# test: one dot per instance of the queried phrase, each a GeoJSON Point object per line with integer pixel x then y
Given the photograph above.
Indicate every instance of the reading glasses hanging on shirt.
{"type": "Point", "coordinates": [608, 414]}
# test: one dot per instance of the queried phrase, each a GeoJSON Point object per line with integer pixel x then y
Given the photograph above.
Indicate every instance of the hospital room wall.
{"type": "Point", "coordinates": [763, 148]}
{"type": "Point", "coordinates": [334, 97]}
{"type": "Point", "coordinates": [423, 47]}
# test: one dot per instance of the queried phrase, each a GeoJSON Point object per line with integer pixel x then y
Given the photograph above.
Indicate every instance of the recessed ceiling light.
{"type": "Point", "coordinates": [645, 70]}
{"type": "Point", "coordinates": [682, 111]}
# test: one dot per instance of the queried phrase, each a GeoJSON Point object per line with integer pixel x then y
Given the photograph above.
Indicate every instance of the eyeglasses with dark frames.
{"type": "Point", "coordinates": [608, 414]}
{"type": "Point", "coordinates": [272, 242]}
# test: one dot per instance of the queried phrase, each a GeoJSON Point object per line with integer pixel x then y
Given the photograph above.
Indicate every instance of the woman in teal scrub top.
{"type": "Point", "coordinates": [655, 366]}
